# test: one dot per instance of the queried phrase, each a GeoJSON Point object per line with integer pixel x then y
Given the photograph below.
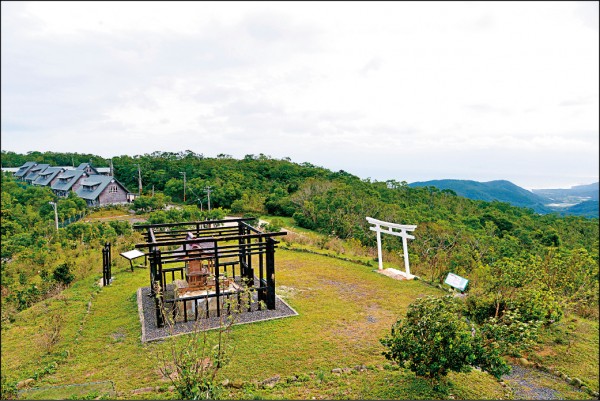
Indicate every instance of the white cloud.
{"type": "Point", "coordinates": [351, 84]}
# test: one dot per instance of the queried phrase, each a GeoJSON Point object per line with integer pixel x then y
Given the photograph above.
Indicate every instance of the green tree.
{"type": "Point", "coordinates": [149, 203]}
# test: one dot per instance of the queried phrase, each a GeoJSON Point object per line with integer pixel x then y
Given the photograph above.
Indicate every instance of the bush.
{"type": "Point", "coordinates": [158, 217]}
{"type": "Point", "coordinates": [193, 362]}
{"type": "Point", "coordinates": [435, 339]}
{"type": "Point", "coordinates": [150, 203]}
{"type": "Point", "coordinates": [510, 334]}
{"type": "Point", "coordinates": [24, 298]}
{"type": "Point", "coordinates": [63, 274]}
{"type": "Point", "coordinates": [481, 307]}
{"type": "Point", "coordinates": [538, 305]}
{"type": "Point", "coordinates": [8, 389]}
{"type": "Point", "coordinates": [274, 226]}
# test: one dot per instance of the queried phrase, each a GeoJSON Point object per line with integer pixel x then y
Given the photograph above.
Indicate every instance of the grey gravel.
{"type": "Point", "coordinates": [150, 332]}
{"type": "Point", "coordinates": [523, 383]}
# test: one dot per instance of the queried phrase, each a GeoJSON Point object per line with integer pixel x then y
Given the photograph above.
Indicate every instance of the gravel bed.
{"type": "Point", "coordinates": [523, 383]}
{"type": "Point", "coordinates": [150, 332]}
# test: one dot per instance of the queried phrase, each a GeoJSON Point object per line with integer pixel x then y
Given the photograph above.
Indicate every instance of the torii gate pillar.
{"type": "Point", "coordinates": [389, 229]}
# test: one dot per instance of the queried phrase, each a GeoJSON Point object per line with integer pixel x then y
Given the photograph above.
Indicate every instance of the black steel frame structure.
{"type": "Point", "coordinates": [234, 248]}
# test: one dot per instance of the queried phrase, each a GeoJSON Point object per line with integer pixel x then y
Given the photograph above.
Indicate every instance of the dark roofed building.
{"type": "Point", "coordinates": [103, 170]}
{"type": "Point", "coordinates": [89, 183]}
{"type": "Point", "coordinates": [34, 171]}
{"type": "Point", "coordinates": [87, 167]}
{"type": "Point", "coordinates": [98, 190]}
{"type": "Point", "coordinates": [24, 169]}
{"type": "Point", "coordinates": [67, 181]}
{"type": "Point", "coordinates": [48, 176]}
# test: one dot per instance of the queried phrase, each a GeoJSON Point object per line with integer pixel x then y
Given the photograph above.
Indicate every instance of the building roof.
{"type": "Point", "coordinates": [93, 186]}
{"type": "Point", "coordinates": [24, 169]}
{"type": "Point", "coordinates": [83, 166]}
{"type": "Point", "coordinates": [67, 179]}
{"type": "Point", "coordinates": [47, 175]}
{"type": "Point", "coordinates": [35, 170]}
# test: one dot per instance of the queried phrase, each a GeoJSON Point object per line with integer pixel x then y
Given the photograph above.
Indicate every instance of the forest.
{"type": "Point", "coordinates": [499, 247]}
{"type": "Point", "coordinates": [522, 267]}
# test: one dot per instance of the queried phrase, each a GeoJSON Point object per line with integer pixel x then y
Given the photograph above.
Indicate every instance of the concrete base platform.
{"type": "Point", "coordinates": [395, 274]}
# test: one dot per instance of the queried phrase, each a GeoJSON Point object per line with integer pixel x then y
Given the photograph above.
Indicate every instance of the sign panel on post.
{"type": "Point", "coordinates": [456, 281]}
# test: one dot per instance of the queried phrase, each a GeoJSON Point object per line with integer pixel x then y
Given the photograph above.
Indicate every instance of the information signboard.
{"type": "Point", "coordinates": [456, 281]}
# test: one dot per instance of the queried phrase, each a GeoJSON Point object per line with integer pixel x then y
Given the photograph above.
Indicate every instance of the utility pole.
{"type": "Point", "coordinates": [139, 180]}
{"type": "Point", "coordinates": [208, 192]}
{"type": "Point", "coordinates": [112, 170]}
{"type": "Point", "coordinates": [183, 172]}
{"type": "Point", "coordinates": [55, 215]}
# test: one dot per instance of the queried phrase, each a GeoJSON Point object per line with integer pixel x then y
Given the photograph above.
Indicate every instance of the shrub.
{"type": "Point", "coordinates": [193, 361]}
{"type": "Point", "coordinates": [149, 203]}
{"type": "Point", "coordinates": [274, 226]}
{"type": "Point", "coordinates": [538, 305]}
{"type": "Point", "coordinates": [510, 334]}
{"type": "Point", "coordinates": [24, 298]}
{"type": "Point", "coordinates": [63, 274]}
{"type": "Point", "coordinates": [8, 389]}
{"type": "Point", "coordinates": [481, 307]}
{"type": "Point", "coordinates": [435, 339]}
{"type": "Point", "coordinates": [158, 217]}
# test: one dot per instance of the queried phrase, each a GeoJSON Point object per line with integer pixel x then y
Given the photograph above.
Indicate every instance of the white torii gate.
{"type": "Point", "coordinates": [388, 228]}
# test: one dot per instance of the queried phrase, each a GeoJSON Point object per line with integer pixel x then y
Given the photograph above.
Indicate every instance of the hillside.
{"type": "Point", "coordinates": [588, 208]}
{"type": "Point", "coordinates": [344, 308]}
{"type": "Point", "coordinates": [500, 190]}
{"type": "Point", "coordinates": [91, 334]}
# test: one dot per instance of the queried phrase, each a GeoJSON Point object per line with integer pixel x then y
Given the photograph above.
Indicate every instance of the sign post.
{"type": "Point", "coordinates": [456, 281]}
{"type": "Point", "coordinates": [130, 255]}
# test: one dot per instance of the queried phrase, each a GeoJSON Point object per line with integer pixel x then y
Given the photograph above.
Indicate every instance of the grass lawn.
{"type": "Point", "coordinates": [344, 309]}
{"type": "Point", "coordinates": [571, 346]}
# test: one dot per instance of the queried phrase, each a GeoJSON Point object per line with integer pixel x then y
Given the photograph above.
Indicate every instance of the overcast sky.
{"type": "Point", "coordinates": [385, 90]}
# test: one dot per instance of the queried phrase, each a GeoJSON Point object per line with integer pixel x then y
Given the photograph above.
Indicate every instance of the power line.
{"type": "Point", "coordinates": [196, 196]}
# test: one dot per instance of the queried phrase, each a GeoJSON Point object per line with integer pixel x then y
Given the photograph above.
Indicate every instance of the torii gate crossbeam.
{"type": "Point", "coordinates": [391, 228]}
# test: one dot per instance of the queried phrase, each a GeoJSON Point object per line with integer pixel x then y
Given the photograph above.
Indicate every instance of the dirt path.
{"type": "Point", "coordinates": [131, 218]}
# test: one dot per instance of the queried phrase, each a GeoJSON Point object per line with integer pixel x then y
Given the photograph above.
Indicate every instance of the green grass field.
{"type": "Point", "coordinates": [344, 309]}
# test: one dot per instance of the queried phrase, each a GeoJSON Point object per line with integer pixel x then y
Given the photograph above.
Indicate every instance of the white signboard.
{"type": "Point", "coordinates": [456, 281]}
{"type": "Point", "coordinates": [132, 254]}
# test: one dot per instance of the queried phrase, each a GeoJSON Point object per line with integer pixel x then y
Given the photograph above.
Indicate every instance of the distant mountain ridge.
{"type": "Point", "coordinates": [588, 208]}
{"type": "Point", "coordinates": [588, 192]}
{"type": "Point", "coordinates": [581, 197]}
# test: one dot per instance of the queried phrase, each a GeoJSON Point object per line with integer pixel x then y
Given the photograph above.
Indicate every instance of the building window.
{"type": "Point", "coordinates": [112, 189]}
